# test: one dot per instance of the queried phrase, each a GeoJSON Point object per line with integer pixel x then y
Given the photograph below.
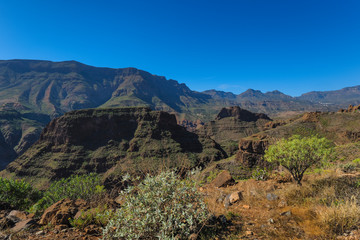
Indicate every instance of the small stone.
{"type": "Point", "coordinates": [201, 189]}
{"type": "Point", "coordinates": [40, 233]}
{"type": "Point", "coordinates": [282, 204]}
{"type": "Point", "coordinates": [246, 206]}
{"type": "Point", "coordinates": [271, 221]}
{"type": "Point", "coordinates": [235, 197]}
{"type": "Point", "coordinates": [227, 201]}
{"type": "Point", "coordinates": [248, 233]}
{"type": "Point", "coordinates": [287, 213]}
{"type": "Point", "coordinates": [271, 197]}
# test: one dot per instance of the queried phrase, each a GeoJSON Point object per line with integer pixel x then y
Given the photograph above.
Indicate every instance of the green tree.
{"type": "Point", "coordinates": [297, 154]}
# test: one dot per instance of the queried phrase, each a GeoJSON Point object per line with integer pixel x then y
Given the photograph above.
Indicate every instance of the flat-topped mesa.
{"type": "Point", "coordinates": [240, 114]}
{"type": "Point", "coordinates": [112, 141]}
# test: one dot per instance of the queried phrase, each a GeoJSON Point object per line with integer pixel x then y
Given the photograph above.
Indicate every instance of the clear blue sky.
{"type": "Point", "coordinates": [294, 46]}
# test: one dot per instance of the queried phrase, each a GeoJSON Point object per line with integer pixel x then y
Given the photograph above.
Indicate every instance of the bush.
{"type": "Point", "coordinates": [75, 187]}
{"type": "Point", "coordinates": [260, 174]}
{"type": "Point", "coordinates": [96, 216]}
{"type": "Point", "coordinates": [17, 194]}
{"type": "Point", "coordinates": [341, 217]}
{"type": "Point", "coordinates": [160, 207]}
{"type": "Point", "coordinates": [298, 154]}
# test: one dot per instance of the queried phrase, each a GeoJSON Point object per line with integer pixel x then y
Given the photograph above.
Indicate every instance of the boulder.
{"type": "Point", "coordinates": [223, 179]}
{"type": "Point", "coordinates": [271, 197]}
{"type": "Point", "coordinates": [60, 212]}
{"type": "Point", "coordinates": [24, 224]}
{"type": "Point", "coordinates": [235, 197]}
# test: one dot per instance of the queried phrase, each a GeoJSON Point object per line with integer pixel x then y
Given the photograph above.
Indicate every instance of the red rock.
{"type": "Point", "coordinates": [223, 179]}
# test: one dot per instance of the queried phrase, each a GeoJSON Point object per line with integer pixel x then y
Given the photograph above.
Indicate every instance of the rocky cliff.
{"type": "Point", "coordinates": [112, 141]}
{"type": "Point", "coordinates": [231, 124]}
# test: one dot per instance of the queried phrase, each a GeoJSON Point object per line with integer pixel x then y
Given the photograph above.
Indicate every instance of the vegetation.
{"type": "Point", "coordinates": [96, 216]}
{"type": "Point", "coordinates": [84, 187]}
{"type": "Point", "coordinates": [298, 154]}
{"type": "Point", "coordinates": [162, 206]}
{"type": "Point", "coordinates": [17, 194]}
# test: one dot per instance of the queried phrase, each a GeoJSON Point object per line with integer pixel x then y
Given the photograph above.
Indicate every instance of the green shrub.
{"type": "Point", "coordinates": [96, 216]}
{"type": "Point", "coordinates": [348, 167]}
{"type": "Point", "coordinates": [75, 187]}
{"type": "Point", "coordinates": [298, 154]}
{"type": "Point", "coordinates": [160, 207]}
{"type": "Point", "coordinates": [260, 174]}
{"type": "Point", "coordinates": [17, 194]}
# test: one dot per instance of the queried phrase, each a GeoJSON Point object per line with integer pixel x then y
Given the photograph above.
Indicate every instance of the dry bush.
{"type": "Point", "coordinates": [340, 217]}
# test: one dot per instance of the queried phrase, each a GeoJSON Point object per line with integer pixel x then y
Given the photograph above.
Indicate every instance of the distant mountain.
{"type": "Point", "coordinates": [37, 91]}
{"type": "Point", "coordinates": [345, 96]}
{"type": "Point", "coordinates": [54, 88]}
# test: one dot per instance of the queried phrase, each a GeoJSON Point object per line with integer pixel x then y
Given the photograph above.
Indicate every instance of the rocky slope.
{"type": "Point", "coordinates": [112, 141]}
{"type": "Point", "coordinates": [17, 133]}
{"type": "Point", "coordinates": [341, 127]}
{"type": "Point", "coordinates": [231, 124]}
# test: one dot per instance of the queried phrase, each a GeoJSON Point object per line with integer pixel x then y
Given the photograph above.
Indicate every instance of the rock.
{"type": "Point", "coordinates": [193, 236]}
{"type": "Point", "coordinates": [246, 206]}
{"type": "Point", "coordinates": [60, 212]}
{"type": "Point", "coordinates": [227, 201]}
{"type": "Point", "coordinates": [223, 179]}
{"type": "Point", "coordinates": [282, 204]}
{"type": "Point", "coordinates": [249, 233]}
{"type": "Point", "coordinates": [252, 150]}
{"type": "Point", "coordinates": [40, 233]}
{"type": "Point", "coordinates": [271, 221]}
{"type": "Point", "coordinates": [271, 197]}
{"type": "Point", "coordinates": [287, 213]}
{"type": "Point", "coordinates": [235, 197]}
{"type": "Point", "coordinates": [18, 214]}
{"type": "Point", "coordinates": [23, 225]}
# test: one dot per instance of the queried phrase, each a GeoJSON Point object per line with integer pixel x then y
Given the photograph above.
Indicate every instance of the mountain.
{"type": "Point", "coordinates": [54, 88]}
{"type": "Point", "coordinates": [345, 96]}
{"type": "Point", "coordinates": [43, 90]}
{"type": "Point", "coordinates": [111, 142]}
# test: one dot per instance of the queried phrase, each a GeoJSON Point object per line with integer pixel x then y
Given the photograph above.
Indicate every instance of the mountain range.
{"type": "Point", "coordinates": [53, 88]}
{"type": "Point", "coordinates": [32, 92]}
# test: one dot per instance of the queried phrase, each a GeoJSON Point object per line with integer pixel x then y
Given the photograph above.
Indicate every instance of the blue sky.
{"type": "Point", "coordinates": [294, 46]}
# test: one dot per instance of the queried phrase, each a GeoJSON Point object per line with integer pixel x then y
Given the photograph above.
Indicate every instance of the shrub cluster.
{"type": "Point", "coordinates": [84, 187]}
{"type": "Point", "coordinates": [162, 207]}
{"type": "Point", "coordinates": [17, 194]}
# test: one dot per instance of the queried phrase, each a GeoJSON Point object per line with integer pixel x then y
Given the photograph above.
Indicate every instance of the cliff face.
{"type": "Point", "coordinates": [232, 124]}
{"type": "Point", "coordinates": [251, 151]}
{"type": "Point", "coordinates": [112, 141]}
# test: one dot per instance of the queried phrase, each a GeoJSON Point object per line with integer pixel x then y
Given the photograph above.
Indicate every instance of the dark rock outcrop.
{"type": "Point", "coordinates": [112, 141]}
{"type": "Point", "coordinates": [240, 114]}
{"type": "Point", "coordinates": [251, 151]}
{"type": "Point", "coordinates": [232, 124]}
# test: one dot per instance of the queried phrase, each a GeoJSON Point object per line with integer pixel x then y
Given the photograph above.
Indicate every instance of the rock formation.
{"type": "Point", "coordinates": [232, 124]}
{"type": "Point", "coordinates": [113, 141]}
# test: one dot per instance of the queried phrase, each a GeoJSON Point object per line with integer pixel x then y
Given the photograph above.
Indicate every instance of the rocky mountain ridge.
{"type": "Point", "coordinates": [111, 142]}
